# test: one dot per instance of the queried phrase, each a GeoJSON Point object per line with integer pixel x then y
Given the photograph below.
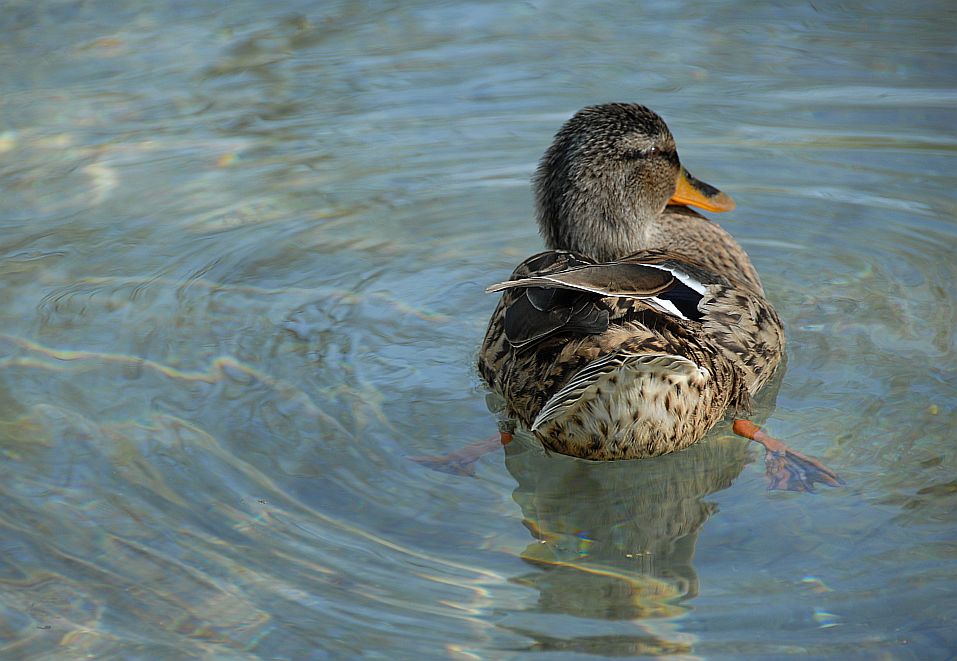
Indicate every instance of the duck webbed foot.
{"type": "Point", "coordinates": [462, 461]}
{"type": "Point", "coordinates": [787, 469]}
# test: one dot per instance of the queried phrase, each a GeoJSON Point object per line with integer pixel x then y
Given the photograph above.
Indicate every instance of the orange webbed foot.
{"type": "Point", "coordinates": [787, 469]}
{"type": "Point", "coordinates": [462, 462]}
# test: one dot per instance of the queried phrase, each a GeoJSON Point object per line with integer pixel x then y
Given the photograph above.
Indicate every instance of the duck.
{"type": "Point", "coordinates": [644, 323]}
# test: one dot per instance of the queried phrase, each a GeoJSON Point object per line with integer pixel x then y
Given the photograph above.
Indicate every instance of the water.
{"type": "Point", "coordinates": [243, 254]}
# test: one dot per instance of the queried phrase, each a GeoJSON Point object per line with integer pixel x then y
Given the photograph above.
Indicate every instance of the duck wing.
{"type": "Point", "coordinates": [562, 292]}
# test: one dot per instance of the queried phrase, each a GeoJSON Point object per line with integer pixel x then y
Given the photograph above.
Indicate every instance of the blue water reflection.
{"type": "Point", "coordinates": [243, 248]}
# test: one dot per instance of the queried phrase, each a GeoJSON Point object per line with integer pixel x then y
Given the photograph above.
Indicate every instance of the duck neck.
{"type": "Point", "coordinates": [601, 236]}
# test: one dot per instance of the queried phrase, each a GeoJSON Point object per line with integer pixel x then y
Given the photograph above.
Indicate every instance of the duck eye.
{"type": "Point", "coordinates": [637, 154]}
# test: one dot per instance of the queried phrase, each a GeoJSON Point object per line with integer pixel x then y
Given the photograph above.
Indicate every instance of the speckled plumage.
{"type": "Point", "coordinates": [645, 322]}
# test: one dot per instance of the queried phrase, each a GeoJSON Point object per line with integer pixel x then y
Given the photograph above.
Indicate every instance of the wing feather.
{"type": "Point", "coordinates": [561, 292]}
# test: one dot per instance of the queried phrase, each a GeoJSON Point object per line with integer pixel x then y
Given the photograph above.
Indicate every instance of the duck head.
{"type": "Point", "coordinates": [602, 186]}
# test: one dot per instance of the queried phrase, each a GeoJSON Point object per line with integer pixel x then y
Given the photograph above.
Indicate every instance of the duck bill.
{"type": "Point", "coordinates": [694, 192]}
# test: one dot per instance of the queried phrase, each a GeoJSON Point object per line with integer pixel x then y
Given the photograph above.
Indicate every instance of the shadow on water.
{"type": "Point", "coordinates": [615, 541]}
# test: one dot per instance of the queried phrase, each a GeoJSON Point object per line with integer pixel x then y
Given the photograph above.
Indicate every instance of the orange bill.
{"type": "Point", "coordinates": [694, 192]}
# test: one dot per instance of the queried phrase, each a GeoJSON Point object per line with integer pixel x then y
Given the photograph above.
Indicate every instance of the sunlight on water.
{"type": "Point", "coordinates": [242, 267]}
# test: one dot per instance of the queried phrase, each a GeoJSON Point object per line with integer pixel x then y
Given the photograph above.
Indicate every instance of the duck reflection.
{"type": "Point", "coordinates": [616, 540]}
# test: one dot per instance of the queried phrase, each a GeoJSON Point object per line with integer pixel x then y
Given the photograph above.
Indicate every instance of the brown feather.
{"type": "Point", "coordinates": [645, 323]}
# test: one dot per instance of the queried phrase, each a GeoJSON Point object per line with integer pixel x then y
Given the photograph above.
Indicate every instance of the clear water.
{"type": "Point", "coordinates": [243, 249]}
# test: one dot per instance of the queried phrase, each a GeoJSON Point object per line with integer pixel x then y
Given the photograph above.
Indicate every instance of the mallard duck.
{"type": "Point", "coordinates": [644, 323]}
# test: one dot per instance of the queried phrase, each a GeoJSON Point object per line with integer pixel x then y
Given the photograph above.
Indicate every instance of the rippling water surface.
{"type": "Point", "coordinates": [243, 248]}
